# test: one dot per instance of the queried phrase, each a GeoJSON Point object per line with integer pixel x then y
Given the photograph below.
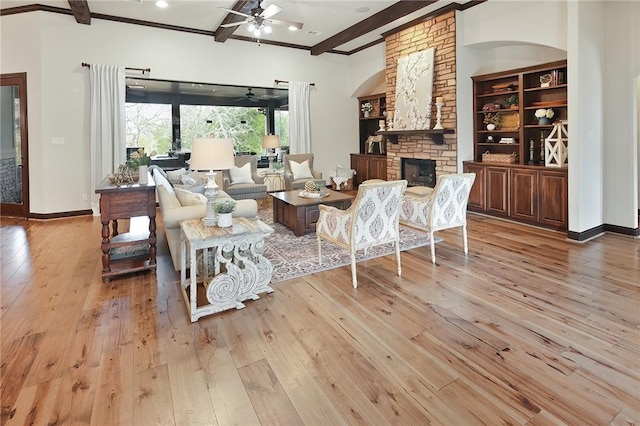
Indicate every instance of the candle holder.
{"type": "Point", "coordinates": [389, 120]}
{"type": "Point", "coordinates": [439, 116]}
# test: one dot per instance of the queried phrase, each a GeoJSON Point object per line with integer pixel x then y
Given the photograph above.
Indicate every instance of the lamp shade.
{"type": "Point", "coordinates": [271, 141]}
{"type": "Point", "coordinates": [212, 154]}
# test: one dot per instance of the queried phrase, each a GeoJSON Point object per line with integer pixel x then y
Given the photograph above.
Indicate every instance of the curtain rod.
{"type": "Point", "coordinates": [143, 70]}
{"type": "Point", "coordinates": [285, 81]}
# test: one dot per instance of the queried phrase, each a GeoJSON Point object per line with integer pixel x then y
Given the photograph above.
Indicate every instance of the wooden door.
{"type": "Point", "coordinates": [524, 194]}
{"type": "Point", "coordinates": [554, 199]}
{"type": "Point", "coordinates": [360, 163]}
{"type": "Point", "coordinates": [477, 194]}
{"type": "Point", "coordinates": [14, 158]}
{"type": "Point", "coordinates": [378, 168]}
{"type": "Point", "coordinates": [497, 180]}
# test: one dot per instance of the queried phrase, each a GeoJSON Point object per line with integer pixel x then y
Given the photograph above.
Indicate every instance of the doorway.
{"type": "Point", "coordinates": [14, 167]}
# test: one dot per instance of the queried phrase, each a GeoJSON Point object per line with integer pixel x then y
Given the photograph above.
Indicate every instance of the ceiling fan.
{"type": "Point", "coordinates": [249, 96]}
{"type": "Point", "coordinates": [258, 19]}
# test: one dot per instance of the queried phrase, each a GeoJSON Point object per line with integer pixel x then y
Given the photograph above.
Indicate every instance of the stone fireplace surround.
{"type": "Point", "coordinates": [438, 32]}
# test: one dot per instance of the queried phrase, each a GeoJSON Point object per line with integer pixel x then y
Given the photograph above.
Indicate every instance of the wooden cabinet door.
{"type": "Point", "coordinates": [554, 199]}
{"type": "Point", "coordinates": [477, 194]}
{"type": "Point", "coordinates": [360, 163]}
{"type": "Point", "coordinates": [497, 187]}
{"type": "Point", "coordinates": [378, 168]}
{"type": "Point", "coordinates": [524, 194]}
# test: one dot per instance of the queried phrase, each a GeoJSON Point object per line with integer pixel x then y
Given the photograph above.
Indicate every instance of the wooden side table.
{"type": "Point", "coordinates": [139, 250]}
{"type": "Point", "coordinates": [226, 265]}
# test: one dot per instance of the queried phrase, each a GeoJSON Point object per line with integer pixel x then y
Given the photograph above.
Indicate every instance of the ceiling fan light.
{"type": "Point", "coordinates": [251, 28]}
{"type": "Point", "coordinates": [268, 30]}
{"type": "Point", "coordinates": [257, 32]}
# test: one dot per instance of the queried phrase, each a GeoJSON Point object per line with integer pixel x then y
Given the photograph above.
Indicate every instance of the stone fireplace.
{"type": "Point", "coordinates": [437, 32]}
{"type": "Point", "coordinates": [419, 172]}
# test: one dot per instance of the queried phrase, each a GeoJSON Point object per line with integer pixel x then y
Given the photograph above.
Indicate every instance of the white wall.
{"type": "Point", "coordinates": [50, 48]}
{"type": "Point", "coordinates": [621, 66]}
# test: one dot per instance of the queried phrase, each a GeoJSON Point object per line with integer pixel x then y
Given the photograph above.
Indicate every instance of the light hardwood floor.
{"type": "Point", "coordinates": [529, 328]}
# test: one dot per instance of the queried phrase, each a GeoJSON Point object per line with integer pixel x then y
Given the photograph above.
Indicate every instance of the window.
{"type": "Point", "coordinates": [282, 126]}
{"type": "Point", "coordinates": [245, 126]}
{"type": "Point", "coordinates": [148, 126]}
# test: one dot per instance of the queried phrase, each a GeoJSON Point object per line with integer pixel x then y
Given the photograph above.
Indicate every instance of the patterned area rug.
{"type": "Point", "coordinates": [294, 257]}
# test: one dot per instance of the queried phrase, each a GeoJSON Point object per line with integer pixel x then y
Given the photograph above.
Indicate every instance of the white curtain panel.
{"type": "Point", "coordinates": [108, 135]}
{"type": "Point", "coordinates": [299, 117]}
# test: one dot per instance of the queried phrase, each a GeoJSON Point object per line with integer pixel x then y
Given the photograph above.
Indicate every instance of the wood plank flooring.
{"type": "Point", "coordinates": [528, 329]}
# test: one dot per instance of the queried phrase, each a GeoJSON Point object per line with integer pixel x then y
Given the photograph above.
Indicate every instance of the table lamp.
{"type": "Point", "coordinates": [270, 143]}
{"type": "Point", "coordinates": [211, 154]}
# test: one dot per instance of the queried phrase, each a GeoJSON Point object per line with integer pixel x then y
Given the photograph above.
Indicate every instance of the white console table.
{"type": "Point", "coordinates": [226, 265]}
{"type": "Point", "coordinates": [274, 179]}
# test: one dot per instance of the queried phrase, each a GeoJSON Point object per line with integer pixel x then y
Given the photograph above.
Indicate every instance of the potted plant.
{"type": "Point", "coordinates": [366, 108]}
{"type": "Point", "coordinates": [544, 116]}
{"type": "Point", "coordinates": [492, 120]}
{"type": "Point", "coordinates": [511, 102]}
{"type": "Point", "coordinates": [139, 162]}
{"type": "Point", "coordinates": [224, 209]}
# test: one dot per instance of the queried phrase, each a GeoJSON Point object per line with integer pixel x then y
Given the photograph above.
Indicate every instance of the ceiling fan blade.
{"type": "Point", "coordinates": [271, 10]}
{"type": "Point", "coordinates": [235, 12]}
{"type": "Point", "coordinates": [298, 25]}
{"type": "Point", "coordinates": [234, 24]}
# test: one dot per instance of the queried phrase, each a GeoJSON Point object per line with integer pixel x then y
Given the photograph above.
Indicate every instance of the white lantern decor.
{"type": "Point", "coordinates": [556, 151]}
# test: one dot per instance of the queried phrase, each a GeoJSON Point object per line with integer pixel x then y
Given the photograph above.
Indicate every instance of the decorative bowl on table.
{"type": "Point", "coordinates": [313, 190]}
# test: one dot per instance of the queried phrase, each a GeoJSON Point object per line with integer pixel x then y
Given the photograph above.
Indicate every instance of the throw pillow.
{"type": "Point", "coordinates": [300, 170]}
{"type": "Point", "coordinates": [188, 198]}
{"type": "Point", "coordinates": [343, 172]}
{"type": "Point", "coordinates": [241, 174]}
{"type": "Point", "coordinates": [175, 176]}
{"type": "Point", "coordinates": [167, 198]}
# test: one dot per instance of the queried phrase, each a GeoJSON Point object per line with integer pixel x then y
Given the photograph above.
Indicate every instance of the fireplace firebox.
{"type": "Point", "coordinates": [419, 172]}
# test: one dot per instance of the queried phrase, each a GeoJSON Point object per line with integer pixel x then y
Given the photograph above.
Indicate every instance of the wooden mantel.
{"type": "Point", "coordinates": [436, 134]}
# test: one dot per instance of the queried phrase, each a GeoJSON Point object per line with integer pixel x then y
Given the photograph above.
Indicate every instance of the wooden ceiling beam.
{"type": "Point", "coordinates": [376, 21]}
{"type": "Point", "coordinates": [81, 12]}
{"type": "Point", "coordinates": [244, 6]}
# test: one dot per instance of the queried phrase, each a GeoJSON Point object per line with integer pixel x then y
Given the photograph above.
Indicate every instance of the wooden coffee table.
{"type": "Point", "coordinates": [301, 214]}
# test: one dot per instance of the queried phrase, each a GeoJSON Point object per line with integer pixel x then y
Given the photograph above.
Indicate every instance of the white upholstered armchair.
{"type": "Point", "coordinates": [371, 220]}
{"type": "Point", "coordinates": [444, 207]}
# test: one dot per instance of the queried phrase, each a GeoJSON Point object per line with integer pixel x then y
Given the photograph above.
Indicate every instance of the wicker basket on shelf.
{"type": "Point", "coordinates": [488, 157]}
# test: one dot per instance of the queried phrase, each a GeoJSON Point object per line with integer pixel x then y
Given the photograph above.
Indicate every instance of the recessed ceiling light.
{"type": "Point", "coordinates": [363, 9]}
{"type": "Point", "coordinates": [293, 28]}
{"type": "Point", "coordinates": [162, 3]}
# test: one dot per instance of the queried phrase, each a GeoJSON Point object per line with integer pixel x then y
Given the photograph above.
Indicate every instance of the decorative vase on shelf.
{"type": "Point", "coordinates": [366, 114]}
{"type": "Point", "coordinates": [143, 179]}
{"type": "Point", "coordinates": [225, 220]}
{"type": "Point", "coordinates": [544, 121]}
{"type": "Point", "coordinates": [491, 127]}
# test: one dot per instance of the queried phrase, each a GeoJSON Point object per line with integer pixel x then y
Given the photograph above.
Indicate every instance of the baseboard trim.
{"type": "Point", "coordinates": [59, 215]}
{"type": "Point", "coordinates": [586, 235]}
{"type": "Point", "coordinates": [622, 230]}
{"type": "Point", "coordinates": [601, 229]}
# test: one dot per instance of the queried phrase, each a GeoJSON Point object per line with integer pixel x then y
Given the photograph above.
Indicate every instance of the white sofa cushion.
{"type": "Point", "coordinates": [175, 176]}
{"type": "Point", "coordinates": [300, 170]}
{"type": "Point", "coordinates": [241, 174]}
{"type": "Point", "coordinates": [188, 198]}
{"type": "Point", "coordinates": [167, 198]}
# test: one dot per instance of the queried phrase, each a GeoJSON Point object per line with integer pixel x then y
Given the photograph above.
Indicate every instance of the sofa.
{"type": "Point", "coordinates": [180, 202]}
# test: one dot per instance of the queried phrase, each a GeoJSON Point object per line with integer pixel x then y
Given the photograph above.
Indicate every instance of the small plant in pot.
{"type": "Point", "coordinates": [511, 102]}
{"type": "Point", "coordinates": [492, 120]}
{"type": "Point", "coordinates": [224, 209]}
